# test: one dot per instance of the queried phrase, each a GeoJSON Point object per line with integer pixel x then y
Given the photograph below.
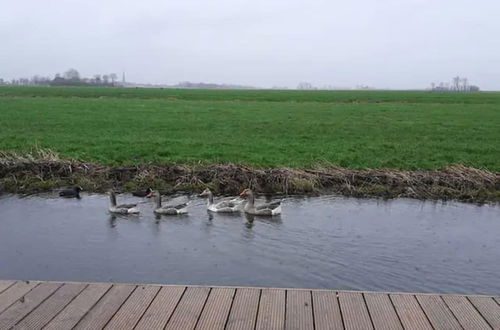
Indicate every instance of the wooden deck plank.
{"type": "Point", "coordinates": [104, 310]}
{"type": "Point", "coordinates": [14, 292]}
{"type": "Point", "coordinates": [299, 313]}
{"type": "Point", "coordinates": [216, 310]}
{"type": "Point", "coordinates": [56, 305]}
{"type": "Point", "coordinates": [271, 313]}
{"type": "Point", "coordinates": [132, 309]}
{"type": "Point", "coordinates": [4, 285]}
{"type": "Point", "coordinates": [244, 310]}
{"type": "Point", "coordinates": [466, 314]}
{"type": "Point", "coordinates": [488, 308]}
{"type": "Point", "coordinates": [73, 312]}
{"type": "Point", "coordinates": [382, 312]}
{"type": "Point", "coordinates": [326, 310]}
{"type": "Point", "coordinates": [162, 307]}
{"type": "Point", "coordinates": [437, 312]}
{"type": "Point", "coordinates": [42, 315]}
{"type": "Point", "coordinates": [409, 311]}
{"type": "Point", "coordinates": [188, 310]}
{"type": "Point", "coordinates": [354, 311]}
{"type": "Point", "coordinates": [32, 299]}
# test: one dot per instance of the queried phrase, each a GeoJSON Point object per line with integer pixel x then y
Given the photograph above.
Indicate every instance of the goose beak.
{"type": "Point", "coordinates": [149, 195]}
{"type": "Point", "coordinates": [243, 193]}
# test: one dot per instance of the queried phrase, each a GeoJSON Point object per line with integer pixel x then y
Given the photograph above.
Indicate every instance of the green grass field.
{"type": "Point", "coordinates": [353, 129]}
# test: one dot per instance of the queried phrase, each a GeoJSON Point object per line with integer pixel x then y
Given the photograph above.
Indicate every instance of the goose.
{"type": "Point", "coordinates": [71, 192]}
{"type": "Point", "coordinates": [148, 193]}
{"type": "Point", "coordinates": [172, 209]}
{"type": "Point", "coordinates": [226, 205]}
{"type": "Point", "coordinates": [122, 208]}
{"type": "Point", "coordinates": [273, 208]}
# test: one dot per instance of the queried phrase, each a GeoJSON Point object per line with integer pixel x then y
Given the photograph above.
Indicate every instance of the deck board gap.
{"type": "Point", "coordinates": [176, 305]}
{"type": "Point", "coordinates": [66, 304]}
{"type": "Point", "coordinates": [368, 310]}
{"type": "Point", "coordinates": [396, 311]}
{"type": "Point", "coordinates": [36, 306]}
{"type": "Point", "coordinates": [14, 301]}
{"type": "Point", "coordinates": [97, 302]}
{"type": "Point", "coordinates": [8, 286]}
{"type": "Point", "coordinates": [201, 311]}
{"type": "Point", "coordinates": [425, 314]}
{"type": "Point", "coordinates": [230, 308]}
{"type": "Point", "coordinates": [449, 309]}
{"type": "Point", "coordinates": [341, 315]}
{"type": "Point", "coordinates": [286, 296]}
{"type": "Point", "coordinates": [312, 309]}
{"type": "Point", "coordinates": [146, 309]}
{"type": "Point", "coordinates": [50, 295]}
{"type": "Point", "coordinates": [258, 308]}
{"type": "Point", "coordinates": [121, 305]}
{"type": "Point", "coordinates": [477, 309]}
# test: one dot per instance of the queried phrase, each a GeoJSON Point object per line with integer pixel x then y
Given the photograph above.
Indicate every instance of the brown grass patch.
{"type": "Point", "coordinates": [43, 170]}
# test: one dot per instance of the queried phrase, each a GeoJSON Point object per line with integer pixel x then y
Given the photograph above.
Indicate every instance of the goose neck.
{"type": "Point", "coordinates": [112, 198]}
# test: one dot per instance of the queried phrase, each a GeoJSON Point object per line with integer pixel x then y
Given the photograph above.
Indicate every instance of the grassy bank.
{"type": "Point", "coordinates": [43, 170]}
{"type": "Point", "coordinates": [354, 130]}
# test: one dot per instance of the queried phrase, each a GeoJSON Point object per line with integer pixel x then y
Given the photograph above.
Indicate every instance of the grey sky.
{"type": "Point", "coordinates": [381, 43]}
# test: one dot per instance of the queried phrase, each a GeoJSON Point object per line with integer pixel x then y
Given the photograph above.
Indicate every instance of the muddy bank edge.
{"type": "Point", "coordinates": [44, 171]}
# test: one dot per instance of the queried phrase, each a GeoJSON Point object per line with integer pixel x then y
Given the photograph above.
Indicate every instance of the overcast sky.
{"type": "Point", "coordinates": [395, 44]}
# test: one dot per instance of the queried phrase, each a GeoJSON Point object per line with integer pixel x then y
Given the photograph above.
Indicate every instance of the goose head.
{"type": "Point", "coordinates": [246, 193]}
{"type": "Point", "coordinates": [149, 192]}
{"type": "Point", "coordinates": [205, 193]}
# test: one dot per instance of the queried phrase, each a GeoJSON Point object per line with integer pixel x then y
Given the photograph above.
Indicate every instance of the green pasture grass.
{"type": "Point", "coordinates": [366, 96]}
{"type": "Point", "coordinates": [257, 128]}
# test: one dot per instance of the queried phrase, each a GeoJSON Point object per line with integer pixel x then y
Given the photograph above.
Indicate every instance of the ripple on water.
{"type": "Point", "coordinates": [318, 242]}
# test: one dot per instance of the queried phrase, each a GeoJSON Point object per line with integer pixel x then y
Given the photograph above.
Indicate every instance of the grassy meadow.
{"type": "Point", "coordinates": [352, 129]}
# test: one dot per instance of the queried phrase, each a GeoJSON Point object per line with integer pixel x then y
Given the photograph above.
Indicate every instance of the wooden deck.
{"type": "Point", "coordinates": [56, 305]}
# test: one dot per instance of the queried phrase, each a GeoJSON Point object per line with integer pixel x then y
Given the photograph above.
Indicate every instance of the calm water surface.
{"type": "Point", "coordinates": [321, 242]}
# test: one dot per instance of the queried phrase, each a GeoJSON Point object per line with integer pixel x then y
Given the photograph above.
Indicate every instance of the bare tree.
{"type": "Point", "coordinates": [456, 83]}
{"type": "Point", "coordinates": [305, 85]}
{"type": "Point", "coordinates": [465, 86]}
{"type": "Point", "coordinates": [72, 74]}
{"type": "Point", "coordinates": [113, 77]}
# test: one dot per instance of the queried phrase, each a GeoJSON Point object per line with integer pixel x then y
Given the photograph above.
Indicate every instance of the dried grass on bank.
{"type": "Point", "coordinates": [42, 170]}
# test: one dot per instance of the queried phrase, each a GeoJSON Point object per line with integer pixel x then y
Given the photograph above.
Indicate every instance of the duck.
{"type": "Point", "coordinates": [227, 205]}
{"type": "Point", "coordinates": [122, 208]}
{"type": "Point", "coordinates": [148, 193]}
{"type": "Point", "coordinates": [172, 209]}
{"type": "Point", "coordinates": [273, 208]}
{"type": "Point", "coordinates": [71, 192]}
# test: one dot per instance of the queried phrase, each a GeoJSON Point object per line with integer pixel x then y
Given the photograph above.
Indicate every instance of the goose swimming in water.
{"type": "Point", "coordinates": [172, 209]}
{"type": "Point", "coordinates": [227, 205]}
{"type": "Point", "coordinates": [71, 192]}
{"type": "Point", "coordinates": [122, 208]}
{"type": "Point", "coordinates": [148, 193]}
{"type": "Point", "coordinates": [273, 208]}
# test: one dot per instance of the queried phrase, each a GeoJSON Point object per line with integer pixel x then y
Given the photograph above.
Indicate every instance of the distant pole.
{"type": "Point", "coordinates": [123, 77]}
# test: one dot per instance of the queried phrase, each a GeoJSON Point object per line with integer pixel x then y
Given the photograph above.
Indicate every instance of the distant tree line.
{"type": "Point", "coordinates": [69, 78]}
{"type": "Point", "coordinates": [457, 84]}
{"type": "Point", "coordinates": [202, 85]}
{"type": "Point", "coordinates": [308, 86]}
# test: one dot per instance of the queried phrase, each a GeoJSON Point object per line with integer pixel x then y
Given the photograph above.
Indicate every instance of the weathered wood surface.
{"type": "Point", "coordinates": [56, 305]}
